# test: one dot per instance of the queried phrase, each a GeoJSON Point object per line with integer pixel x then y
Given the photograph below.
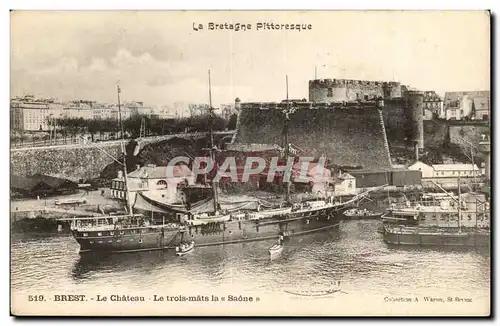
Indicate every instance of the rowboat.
{"type": "Point", "coordinates": [276, 249]}
{"type": "Point", "coordinates": [184, 248]}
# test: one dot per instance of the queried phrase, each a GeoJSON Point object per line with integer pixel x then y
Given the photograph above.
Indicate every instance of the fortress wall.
{"type": "Point", "coordinates": [69, 162]}
{"type": "Point", "coordinates": [396, 121]}
{"type": "Point", "coordinates": [347, 136]}
{"type": "Point", "coordinates": [351, 90]}
{"type": "Point", "coordinates": [435, 133]}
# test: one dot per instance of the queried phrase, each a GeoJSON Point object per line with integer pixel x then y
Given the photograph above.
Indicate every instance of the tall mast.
{"type": "Point", "coordinates": [212, 147]}
{"type": "Point", "coordinates": [287, 112]}
{"type": "Point", "coordinates": [127, 196]}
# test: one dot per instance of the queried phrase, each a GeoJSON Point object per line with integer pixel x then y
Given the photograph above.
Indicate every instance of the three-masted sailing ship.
{"type": "Point", "coordinates": [136, 232]}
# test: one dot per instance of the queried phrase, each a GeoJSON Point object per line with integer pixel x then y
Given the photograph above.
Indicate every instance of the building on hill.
{"type": "Point", "coordinates": [28, 113]}
{"type": "Point", "coordinates": [433, 106]}
{"type": "Point", "coordinates": [473, 105]}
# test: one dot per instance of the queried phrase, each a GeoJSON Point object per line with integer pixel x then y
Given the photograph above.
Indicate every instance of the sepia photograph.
{"type": "Point", "coordinates": [250, 163]}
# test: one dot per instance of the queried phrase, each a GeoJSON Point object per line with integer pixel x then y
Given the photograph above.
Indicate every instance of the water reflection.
{"type": "Point", "coordinates": [355, 255]}
{"type": "Point", "coordinates": [87, 265]}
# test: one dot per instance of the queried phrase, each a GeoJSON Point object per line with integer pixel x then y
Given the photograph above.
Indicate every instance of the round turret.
{"type": "Point", "coordinates": [415, 113]}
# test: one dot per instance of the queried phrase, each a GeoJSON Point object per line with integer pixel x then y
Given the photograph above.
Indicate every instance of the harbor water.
{"type": "Point", "coordinates": [372, 275]}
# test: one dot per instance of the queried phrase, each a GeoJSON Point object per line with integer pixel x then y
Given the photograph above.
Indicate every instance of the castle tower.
{"type": "Point", "coordinates": [415, 113]}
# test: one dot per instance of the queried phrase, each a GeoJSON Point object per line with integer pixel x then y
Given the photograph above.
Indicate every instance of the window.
{"type": "Point", "coordinates": [99, 234]}
{"type": "Point", "coordinates": [111, 233]}
{"type": "Point", "coordinates": [162, 183]}
{"type": "Point", "coordinates": [350, 184]}
{"type": "Point", "coordinates": [329, 92]}
{"type": "Point", "coordinates": [85, 234]}
{"type": "Point", "coordinates": [366, 97]}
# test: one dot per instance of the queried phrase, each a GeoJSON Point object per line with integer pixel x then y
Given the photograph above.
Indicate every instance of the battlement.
{"type": "Point", "coordinates": [351, 82]}
{"type": "Point", "coordinates": [349, 90]}
{"type": "Point", "coordinates": [373, 104]}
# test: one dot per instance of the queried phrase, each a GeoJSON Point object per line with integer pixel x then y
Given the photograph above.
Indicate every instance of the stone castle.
{"type": "Point", "coordinates": [348, 90]}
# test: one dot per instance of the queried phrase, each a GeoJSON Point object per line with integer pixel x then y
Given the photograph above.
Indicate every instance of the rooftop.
{"type": "Point", "coordinates": [160, 172]}
{"type": "Point", "coordinates": [454, 167]}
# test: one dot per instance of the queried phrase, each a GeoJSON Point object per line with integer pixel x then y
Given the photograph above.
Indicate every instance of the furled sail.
{"type": "Point", "coordinates": [228, 204]}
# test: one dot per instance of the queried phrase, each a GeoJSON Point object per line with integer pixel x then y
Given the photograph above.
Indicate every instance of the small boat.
{"type": "Point", "coordinates": [70, 201]}
{"type": "Point", "coordinates": [357, 213]}
{"type": "Point", "coordinates": [276, 249]}
{"type": "Point", "coordinates": [184, 248]}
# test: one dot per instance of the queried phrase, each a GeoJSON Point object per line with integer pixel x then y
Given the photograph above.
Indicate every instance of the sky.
{"type": "Point", "coordinates": [157, 57]}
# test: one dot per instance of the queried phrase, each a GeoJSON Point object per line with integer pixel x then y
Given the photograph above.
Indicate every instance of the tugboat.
{"type": "Point", "coordinates": [184, 248]}
{"type": "Point", "coordinates": [137, 232]}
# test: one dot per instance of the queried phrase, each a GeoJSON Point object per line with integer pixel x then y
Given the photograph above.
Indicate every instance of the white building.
{"type": "Point", "coordinates": [79, 109]}
{"type": "Point", "coordinates": [30, 114]}
{"type": "Point", "coordinates": [433, 105]}
{"type": "Point", "coordinates": [138, 108]}
{"type": "Point", "coordinates": [345, 185]}
{"type": "Point", "coordinates": [474, 105]}
{"type": "Point", "coordinates": [446, 174]}
{"type": "Point", "coordinates": [152, 178]}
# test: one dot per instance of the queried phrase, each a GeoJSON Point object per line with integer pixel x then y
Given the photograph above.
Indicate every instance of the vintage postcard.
{"type": "Point", "coordinates": [250, 163]}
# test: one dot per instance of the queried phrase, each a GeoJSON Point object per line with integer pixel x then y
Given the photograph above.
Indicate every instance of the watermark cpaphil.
{"type": "Point", "coordinates": [298, 169]}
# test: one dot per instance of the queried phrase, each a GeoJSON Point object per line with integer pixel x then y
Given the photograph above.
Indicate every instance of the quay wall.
{"type": "Point", "coordinates": [347, 136]}
{"type": "Point", "coordinates": [73, 162]}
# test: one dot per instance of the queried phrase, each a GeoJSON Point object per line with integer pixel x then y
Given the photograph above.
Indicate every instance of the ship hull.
{"type": "Point", "coordinates": [210, 234]}
{"type": "Point", "coordinates": [429, 237]}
